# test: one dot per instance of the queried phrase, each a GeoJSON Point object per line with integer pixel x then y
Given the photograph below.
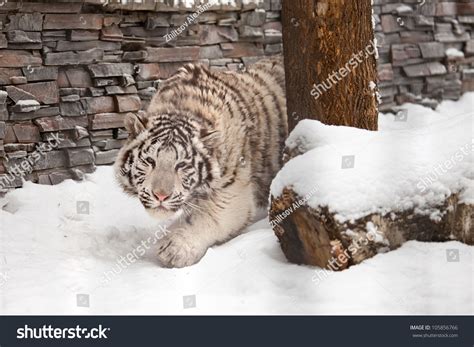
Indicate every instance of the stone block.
{"type": "Point", "coordinates": [101, 104]}
{"type": "Point", "coordinates": [211, 34]}
{"type": "Point", "coordinates": [96, 91]}
{"type": "Point", "coordinates": [58, 123]}
{"type": "Point", "coordinates": [134, 56]}
{"type": "Point", "coordinates": [70, 98]}
{"type": "Point", "coordinates": [2, 130]}
{"type": "Point", "coordinates": [40, 73]}
{"type": "Point", "coordinates": [405, 52]}
{"type": "Point", "coordinates": [19, 58]}
{"type": "Point", "coordinates": [469, 50]}
{"type": "Point", "coordinates": [110, 70]}
{"type": "Point", "coordinates": [157, 55]}
{"type": "Point", "coordinates": [3, 41]}
{"type": "Point", "coordinates": [390, 24]}
{"type": "Point", "coordinates": [111, 33]}
{"type": "Point", "coordinates": [109, 144]}
{"type": "Point", "coordinates": [10, 136]}
{"type": "Point", "coordinates": [126, 80]}
{"type": "Point", "coordinates": [454, 8]}
{"type": "Point", "coordinates": [106, 157]}
{"type": "Point", "coordinates": [254, 18]}
{"type": "Point", "coordinates": [83, 35]}
{"type": "Point", "coordinates": [25, 21]}
{"type": "Point", "coordinates": [157, 21]}
{"type": "Point", "coordinates": [113, 90]}
{"type": "Point", "coordinates": [26, 106]}
{"type": "Point", "coordinates": [432, 50]}
{"type": "Point", "coordinates": [73, 21]}
{"type": "Point", "coordinates": [272, 36]}
{"type": "Point", "coordinates": [273, 48]}
{"type": "Point", "coordinates": [449, 37]}
{"type": "Point", "coordinates": [44, 92]}
{"type": "Point", "coordinates": [42, 112]}
{"type": "Point", "coordinates": [17, 94]}
{"type": "Point", "coordinates": [18, 80]}
{"type": "Point", "coordinates": [6, 74]}
{"type": "Point", "coordinates": [81, 156]}
{"type": "Point", "coordinates": [26, 133]}
{"type": "Point", "coordinates": [51, 7]}
{"type": "Point", "coordinates": [147, 72]}
{"type": "Point", "coordinates": [241, 49]}
{"type": "Point", "coordinates": [128, 103]}
{"type": "Point", "coordinates": [107, 121]}
{"type": "Point", "coordinates": [87, 45]}
{"type": "Point", "coordinates": [102, 82]}
{"type": "Point", "coordinates": [209, 52]}
{"type": "Point", "coordinates": [72, 109]}
{"type": "Point", "coordinates": [74, 77]}
{"type": "Point", "coordinates": [249, 32]}
{"type": "Point", "coordinates": [74, 58]}
{"type": "Point", "coordinates": [20, 36]}
{"type": "Point", "coordinates": [425, 69]}
{"type": "Point", "coordinates": [51, 160]}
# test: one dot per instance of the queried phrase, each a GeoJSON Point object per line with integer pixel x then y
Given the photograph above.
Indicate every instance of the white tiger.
{"type": "Point", "coordinates": [206, 150]}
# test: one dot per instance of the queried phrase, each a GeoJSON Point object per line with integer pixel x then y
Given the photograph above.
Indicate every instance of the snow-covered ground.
{"type": "Point", "coordinates": [60, 247]}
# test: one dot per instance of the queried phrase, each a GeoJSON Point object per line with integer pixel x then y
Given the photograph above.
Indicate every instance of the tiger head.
{"type": "Point", "coordinates": [167, 161]}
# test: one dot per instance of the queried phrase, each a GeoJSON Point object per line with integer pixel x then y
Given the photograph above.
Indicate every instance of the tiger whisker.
{"type": "Point", "coordinates": [198, 208]}
{"type": "Point", "coordinates": [194, 207]}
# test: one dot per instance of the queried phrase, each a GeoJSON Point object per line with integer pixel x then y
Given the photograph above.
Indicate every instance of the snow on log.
{"type": "Point", "coordinates": [346, 194]}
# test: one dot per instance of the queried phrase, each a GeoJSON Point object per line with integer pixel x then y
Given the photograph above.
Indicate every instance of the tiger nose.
{"type": "Point", "coordinates": [161, 196]}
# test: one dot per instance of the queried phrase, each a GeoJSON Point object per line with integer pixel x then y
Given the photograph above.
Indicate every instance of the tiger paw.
{"type": "Point", "coordinates": [177, 251]}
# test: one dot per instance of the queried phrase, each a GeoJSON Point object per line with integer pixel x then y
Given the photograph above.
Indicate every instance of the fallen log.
{"type": "Point", "coordinates": [314, 236]}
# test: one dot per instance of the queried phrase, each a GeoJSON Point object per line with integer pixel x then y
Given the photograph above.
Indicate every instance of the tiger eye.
{"type": "Point", "coordinates": [180, 165]}
{"type": "Point", "coordinates": [151, 161]}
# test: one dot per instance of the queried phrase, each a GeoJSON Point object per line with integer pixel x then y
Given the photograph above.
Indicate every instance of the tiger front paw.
{"type": "Point", "coordinates": [177, 251]}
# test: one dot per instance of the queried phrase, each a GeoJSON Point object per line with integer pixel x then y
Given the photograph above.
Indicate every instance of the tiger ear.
{"type": "Point", "coordinates": [135, 123]}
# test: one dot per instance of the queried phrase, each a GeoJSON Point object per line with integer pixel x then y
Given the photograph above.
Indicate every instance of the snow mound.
{"type": "Point", "coordinates": [417, 159]}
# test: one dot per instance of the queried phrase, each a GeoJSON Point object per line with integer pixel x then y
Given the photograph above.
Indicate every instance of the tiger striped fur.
{"type": "Point", "coordinates": [204, 154]}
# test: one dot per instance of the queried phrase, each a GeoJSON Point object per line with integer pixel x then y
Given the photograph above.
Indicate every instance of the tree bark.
{"type": "Point", "coordinates": [330, 62]}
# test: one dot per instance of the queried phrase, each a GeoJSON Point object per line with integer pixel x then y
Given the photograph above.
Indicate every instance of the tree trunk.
{"type": "Point", "coordinates": [330, 62]}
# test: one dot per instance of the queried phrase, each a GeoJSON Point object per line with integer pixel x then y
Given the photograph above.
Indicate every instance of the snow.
{"type": "Point", "coordinates": [454, 53]}
{"type": "Point", "coordinates": [417, 159]}
{"type": "Point", "coordinates": [57, 242]}
{"type": "Point", "coordinates": [404, 9]}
